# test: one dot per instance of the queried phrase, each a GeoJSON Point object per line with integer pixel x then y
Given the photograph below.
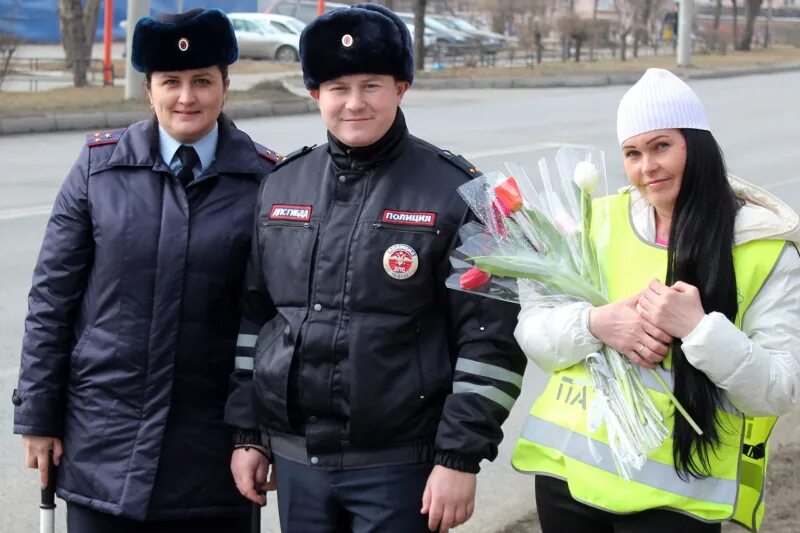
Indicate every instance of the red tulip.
{"type": "Point", "coordinates": [498, 214]}
{"type": "Point", "coordinates": [473, 278]}
{"type": "Point", "coordinates": [508, 195]}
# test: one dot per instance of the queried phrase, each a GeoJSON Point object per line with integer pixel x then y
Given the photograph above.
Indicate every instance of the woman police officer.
{"type": "Point", "coordinates": [132, 322]}
{"type": "Point", "coordinates": [698, 262]}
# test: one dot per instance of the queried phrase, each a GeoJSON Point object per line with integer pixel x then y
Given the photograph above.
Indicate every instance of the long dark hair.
{"type": "Point", "coordinates": [700, 253]}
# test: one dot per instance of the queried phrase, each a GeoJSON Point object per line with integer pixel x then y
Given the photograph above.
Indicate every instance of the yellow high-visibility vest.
{"type": "Point", "coordinates": [555, 438]}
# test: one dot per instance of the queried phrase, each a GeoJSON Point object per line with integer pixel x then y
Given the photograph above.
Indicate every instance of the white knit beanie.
{"type": "Point", "coordinates": [659, 101]}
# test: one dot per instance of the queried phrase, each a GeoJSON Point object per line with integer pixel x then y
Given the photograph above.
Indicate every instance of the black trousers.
{"type": "Point", "coordinates": [383, 499]}
{"type": "Point", "coordinates": [82, 519]}
{"type": "Point", "coordinates": [559, 512]}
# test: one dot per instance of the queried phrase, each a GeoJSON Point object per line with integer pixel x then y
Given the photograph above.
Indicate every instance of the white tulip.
{"type": "Point", "coordinates": [586, 176]}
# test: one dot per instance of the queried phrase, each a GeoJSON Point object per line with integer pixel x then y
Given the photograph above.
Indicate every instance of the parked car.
{"type": "Point", "coordinates": [428, 36]}
{"type": "Point", "coordinates": [285, 23]}
{"type": "Point", "coordinates": [305, 10]}
{"type": "Point", "coordinates": [446, 40]}
{"type": "Point", "coordinates": [259, 38]}
{"type": "Point", "coordinates": [490, 41]}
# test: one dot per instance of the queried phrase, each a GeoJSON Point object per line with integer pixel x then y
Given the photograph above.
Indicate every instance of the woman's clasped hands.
{"type": "Point", "coordinates": [643, 326]}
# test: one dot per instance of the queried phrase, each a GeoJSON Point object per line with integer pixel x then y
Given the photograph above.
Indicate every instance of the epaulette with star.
{"type": "Point", "coordinates": [461, 163]}
{"type": "Point", "coordinates": [106, 137]}
{"type": "Point", "coordinates": [294, 155]}
{"type": "Point", "coordinates": [268, 154]}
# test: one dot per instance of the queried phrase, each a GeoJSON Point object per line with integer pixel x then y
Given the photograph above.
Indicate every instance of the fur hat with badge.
{"type": "Point", "coordinates": [195, 39]}
{"type": "Point", "coordinates": [361, 39]}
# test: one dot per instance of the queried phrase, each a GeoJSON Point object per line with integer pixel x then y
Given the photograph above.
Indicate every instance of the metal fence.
{"type": "Point", "coordinates": [41, 73]}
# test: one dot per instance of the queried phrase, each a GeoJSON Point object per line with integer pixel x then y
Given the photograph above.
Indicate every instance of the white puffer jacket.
{"type": "Point", "coordinates": [758, 366]}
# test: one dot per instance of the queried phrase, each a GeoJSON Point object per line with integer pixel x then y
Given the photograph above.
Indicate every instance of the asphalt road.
{"type": "Point", "coordinates": [754, 118]}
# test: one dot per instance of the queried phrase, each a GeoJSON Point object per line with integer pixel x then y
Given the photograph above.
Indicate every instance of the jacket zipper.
{"type": "Point", "coordinates": [419, 364]}
{"type": "Point", "coordinates": [407, 229]}
{"type": "Point", "coordinates": [268, 224]}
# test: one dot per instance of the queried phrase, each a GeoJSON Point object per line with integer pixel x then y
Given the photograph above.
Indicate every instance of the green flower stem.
{"type": "Point", "coordinates": [675, 401]}
{"type": "Point", "coordinates": [624, 378]}
{"type": "Point", "coordinates": [587, 265]}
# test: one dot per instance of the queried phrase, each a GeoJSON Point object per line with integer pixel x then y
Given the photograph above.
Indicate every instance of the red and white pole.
{"type": "Point", "coordinates": [108, 32]}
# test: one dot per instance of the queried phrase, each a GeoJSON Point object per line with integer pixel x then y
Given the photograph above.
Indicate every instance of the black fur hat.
{"type": "Point", "coordinates": [362, 39]}
{"type": "Point", "coordinates": [196, 39]}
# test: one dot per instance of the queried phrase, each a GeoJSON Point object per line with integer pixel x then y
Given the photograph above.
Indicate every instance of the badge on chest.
{"type": "Point", "coordinates": [400, 261]}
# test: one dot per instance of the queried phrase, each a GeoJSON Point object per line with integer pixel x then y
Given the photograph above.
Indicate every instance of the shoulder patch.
{"type": "Point", "coordinates": [461, 163]}
{"type": "Point", "coordinates": [268, 154]}
{"type": "Point", "coordinates": [100, 138]}
{"type": "Point", "coordinates": [294, 155]}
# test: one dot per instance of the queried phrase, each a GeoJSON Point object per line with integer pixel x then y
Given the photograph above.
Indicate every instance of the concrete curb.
{"type": "Point", "coordinates": [94, 121]}
{"type": "Point", "coordinates": [597, 80]}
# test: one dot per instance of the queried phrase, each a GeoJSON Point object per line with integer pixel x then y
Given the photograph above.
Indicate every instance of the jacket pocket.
{"type": "Point", "coordinates": [77, 350]}
{"type": "Point", "coordinates": [286, 255]}
{"type": "Point", "coordinates": [273, 360]}
{"type": "Point", "coordinates": [396, 268]}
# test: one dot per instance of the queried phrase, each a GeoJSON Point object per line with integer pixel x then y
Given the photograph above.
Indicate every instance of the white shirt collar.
{"type": "Point", "coordinates": [206, 148]}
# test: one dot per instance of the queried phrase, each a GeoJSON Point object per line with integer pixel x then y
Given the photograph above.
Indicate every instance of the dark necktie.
{"type": "Point", "coordinates": [188, 157]}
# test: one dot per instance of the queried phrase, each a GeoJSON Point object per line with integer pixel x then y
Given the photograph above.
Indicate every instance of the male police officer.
{"type": "Point", "coordinates": [377, 390]}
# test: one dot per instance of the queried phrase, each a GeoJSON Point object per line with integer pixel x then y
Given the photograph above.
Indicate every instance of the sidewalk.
{"type": "Point", "coordinates": [52, 122]}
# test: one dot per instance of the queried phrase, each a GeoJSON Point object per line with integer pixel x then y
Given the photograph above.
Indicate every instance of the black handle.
{"type": "Point", "coordinates": [255, 518]}
{"type": "Point", "coordinates": [48, 499]}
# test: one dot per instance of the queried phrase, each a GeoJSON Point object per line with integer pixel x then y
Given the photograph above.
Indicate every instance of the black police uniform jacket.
{"type": "Point", "coordinates": [367, 348]}
{"type": "Point", "coordinates": [132, 324]}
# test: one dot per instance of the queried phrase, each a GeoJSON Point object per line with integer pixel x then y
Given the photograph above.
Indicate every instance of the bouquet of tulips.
{"type": "Point", "coordinates": [535, 242]}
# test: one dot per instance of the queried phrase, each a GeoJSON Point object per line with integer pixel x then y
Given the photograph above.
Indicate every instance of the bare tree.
{"type": "Point", "coordinates": [717, 14]}
{"type": "Point", "coordinates": [627, 14]}
{"type": "Point", "coordinates": [78, 25]}
{"type": "Point", "coordinates": [752, 8]}
{"type": "Point", "coordinates": [576, 29]}
{"type": "Point", "coordinates": [419, 34]}
{"type": "Point", "coordinates": [593, 42]}
{"type": "Point", "coordinates": [506, 12]}
{"type": "Point", "coordinates": [647, 13]}
{"type": "Point", "coordinates": [735, 23]}
{"type": "Point", "coordinates": [8, 45]}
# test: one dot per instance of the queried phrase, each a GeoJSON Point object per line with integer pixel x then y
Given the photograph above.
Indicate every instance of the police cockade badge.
{"type": "Point", "coordinates": [400, 261]}
{"type": "Point", "coordinates": [347, 40]}
{"type": "Point", "coordinates": [183, 44]}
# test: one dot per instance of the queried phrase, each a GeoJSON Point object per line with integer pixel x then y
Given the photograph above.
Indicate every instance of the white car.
{"type": "Point", "coordinates": [260, 37]}
{"type": "Point", "coordinates": [284, 23]}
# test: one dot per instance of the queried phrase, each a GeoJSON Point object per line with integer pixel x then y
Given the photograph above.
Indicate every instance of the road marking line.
{"type": "Point", "coordinates": [22, 212]}
{"type": "Point", "coordinates": [521, 149]}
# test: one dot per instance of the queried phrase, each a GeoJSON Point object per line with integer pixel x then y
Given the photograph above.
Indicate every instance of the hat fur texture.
{"type": "Point", "coordinates": [196, 39]}
{"type": "Point", "coordinates": [361, 39]}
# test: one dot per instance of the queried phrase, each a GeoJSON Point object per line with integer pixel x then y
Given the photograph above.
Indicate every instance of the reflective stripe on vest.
{"type": "Point", "coordinates": [556, 440]}
{"type": "Point", "coordinates": [659, 475]}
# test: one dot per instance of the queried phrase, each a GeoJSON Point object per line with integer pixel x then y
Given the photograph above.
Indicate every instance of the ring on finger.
{"type": "Point", "coordinates": [640, 348]}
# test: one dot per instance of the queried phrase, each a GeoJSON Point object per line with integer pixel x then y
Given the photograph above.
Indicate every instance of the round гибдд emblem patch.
{"type": "Point", "coordinates": [347, 40]}
{"type": "Point", "coordinates": [400, 261]}
{"type": "Point", "coordinates": [183, 44]}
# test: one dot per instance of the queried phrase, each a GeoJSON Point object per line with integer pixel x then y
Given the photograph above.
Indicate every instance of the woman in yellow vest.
{"type": "Point", "coordinates": [704, 275]}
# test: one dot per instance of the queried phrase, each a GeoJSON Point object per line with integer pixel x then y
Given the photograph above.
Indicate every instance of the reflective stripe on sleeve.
{"type": "Point", "coordinates": [477, 368]}
{"type": "Point", "coordinates": [243, 363]}
{"type": "Point", "coordinates": [487, 391]}
{"type": "Point", "coordinates": [246, 341]}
